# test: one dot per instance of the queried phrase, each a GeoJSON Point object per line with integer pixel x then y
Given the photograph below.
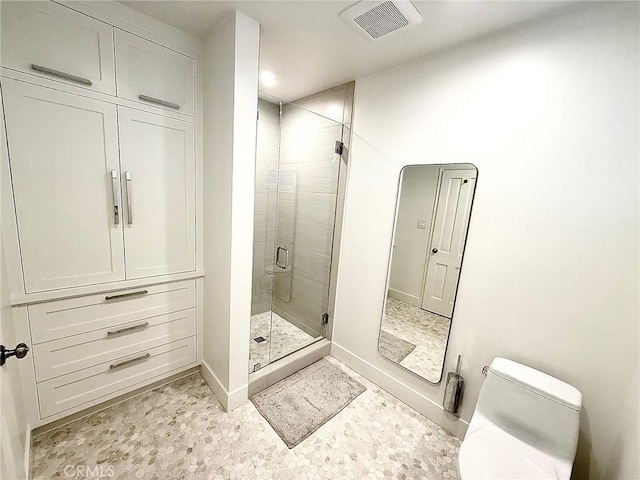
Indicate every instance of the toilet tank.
{"type": "Point", "coordinates": [534, 407]}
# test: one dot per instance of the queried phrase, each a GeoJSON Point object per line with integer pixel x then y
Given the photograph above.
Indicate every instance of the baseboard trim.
{"type": "Point", "coordinates": [28, 447]}
{"type": "Point", "coordinates": [229, 400]}
{"type": "Point", "coordinates": [238, 397]}
{"type": "Point", "coordinates": [405, 297]}
{"type": "Point", "coordinates": [427, 407]}
{"type": "Point", "coordinates": [214, 384]}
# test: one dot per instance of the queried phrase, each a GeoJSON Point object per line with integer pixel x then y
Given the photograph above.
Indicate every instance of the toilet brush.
{"type": "Point", "coordinates": [453, 390]}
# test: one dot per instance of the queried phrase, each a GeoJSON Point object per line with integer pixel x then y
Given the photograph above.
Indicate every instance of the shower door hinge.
{"type": "Point", "coordinates": [339, 147]}
{"type": "Point", "coordinates": [325, 319]}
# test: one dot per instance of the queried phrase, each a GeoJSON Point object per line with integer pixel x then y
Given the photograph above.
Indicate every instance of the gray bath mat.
{"type": "Point", "coordinates": [394, 348]}
{"type": "Point", "coordinates": [300, 404]}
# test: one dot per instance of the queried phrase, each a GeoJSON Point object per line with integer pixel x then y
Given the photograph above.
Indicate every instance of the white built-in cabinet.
{"type": "Point", "coordinates": [101, 158]}
{"type": "Point", "coordinates": [63, 149]}
{"type": "Point", "coordinates": [48, 40]}
{"type": "Point", "coordinates": [82, 208]}
{"type": "Point", "coordinates": [154, 74]}
{"type": "Point", "coordinates": [158, 172]}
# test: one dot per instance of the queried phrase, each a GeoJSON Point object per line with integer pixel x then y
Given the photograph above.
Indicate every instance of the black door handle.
{"type": "Point", "coordinates": [19, 352]}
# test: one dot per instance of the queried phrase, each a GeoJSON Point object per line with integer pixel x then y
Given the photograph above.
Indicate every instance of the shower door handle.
{"type": "Point", "coordinates": [286, 258]}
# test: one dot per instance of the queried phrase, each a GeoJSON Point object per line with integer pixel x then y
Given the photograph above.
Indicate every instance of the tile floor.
{"type": "Point", "coordinates": [427, 331]}
{"type": "Point", "coordinates": [181, 431]}
{"type": "Point", "coordinates": [281, 338]}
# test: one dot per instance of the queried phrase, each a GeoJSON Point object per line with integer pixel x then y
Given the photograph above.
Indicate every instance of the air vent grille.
{"type": "Point", "coordinates": [380, 20]}
{"type": "Point", "coordinates": [376, 20]}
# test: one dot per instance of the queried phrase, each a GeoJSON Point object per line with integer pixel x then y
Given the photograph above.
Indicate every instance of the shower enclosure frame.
{"type": "Point", "coordinates": [320, 346]}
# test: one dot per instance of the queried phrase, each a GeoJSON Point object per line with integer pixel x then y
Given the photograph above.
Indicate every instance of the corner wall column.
{"type": "Point", "coordinates": [230, 106]}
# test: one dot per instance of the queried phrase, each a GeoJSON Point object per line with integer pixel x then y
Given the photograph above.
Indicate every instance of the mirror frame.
{"type": "Point", "coordinates": [390, 258]}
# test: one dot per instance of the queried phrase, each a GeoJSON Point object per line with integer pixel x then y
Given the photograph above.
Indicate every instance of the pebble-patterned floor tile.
{"type": "Point", "coordinates": [180, 431]}
{"type": "Point", "coordinates": [427, 331]}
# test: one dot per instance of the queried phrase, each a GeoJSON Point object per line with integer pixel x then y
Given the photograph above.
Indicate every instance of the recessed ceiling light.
{"type": "Point", "coordinates": [268, 79]}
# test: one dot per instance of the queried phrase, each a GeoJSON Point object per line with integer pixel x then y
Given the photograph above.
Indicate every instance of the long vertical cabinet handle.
{"type": "Point", "coordinates": [127, 177]}
{"type": "Point", "coordinates": [116, 203]}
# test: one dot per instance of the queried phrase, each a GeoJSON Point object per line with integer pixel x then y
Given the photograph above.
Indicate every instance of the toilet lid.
{"type": "Point", "coordinates": [483, 457]}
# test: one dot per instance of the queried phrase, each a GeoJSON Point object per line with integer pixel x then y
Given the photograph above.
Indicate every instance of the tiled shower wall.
{"type": "Point", "coordinates": [268, 149]}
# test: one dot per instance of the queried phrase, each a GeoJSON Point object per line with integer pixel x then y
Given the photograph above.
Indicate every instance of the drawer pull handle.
{"type": "Point", "coordinates": [164, 103]}
{"type": "Point", "coordinates": [124, 295]}
{"type": "Point", "coordinates": [128, 329]}
{"type": "Point", "coordinates": [58, 73]}
{"type": "Point", "coordinates": [113, 366]}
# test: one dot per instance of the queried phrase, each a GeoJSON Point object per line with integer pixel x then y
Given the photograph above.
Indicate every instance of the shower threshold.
{"type": "Point", "coordinates": [288, 365]}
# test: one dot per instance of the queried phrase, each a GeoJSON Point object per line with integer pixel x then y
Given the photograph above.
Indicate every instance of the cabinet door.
{"type": "Point", "coordinates": [158, 172]}
{"type": "Point", "coordinates": [153, 74]}
{"type": "Point", "coordinates": [63, 152]}
{"type": "Point", "coordinates": [53, 41]}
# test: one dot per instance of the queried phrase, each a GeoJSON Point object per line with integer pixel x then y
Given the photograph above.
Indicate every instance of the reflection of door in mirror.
{"type": "Point", "coordinates": [451, 217]}
{"type": "Point", "coordinates": [432, 217]}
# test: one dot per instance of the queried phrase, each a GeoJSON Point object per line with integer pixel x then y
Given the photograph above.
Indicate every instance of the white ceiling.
{"type": "Point", "coordinates": [310, 48]}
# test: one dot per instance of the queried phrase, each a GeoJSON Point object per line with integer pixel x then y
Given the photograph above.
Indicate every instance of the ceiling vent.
{"type": "Point", "coordinates": [375, 20]}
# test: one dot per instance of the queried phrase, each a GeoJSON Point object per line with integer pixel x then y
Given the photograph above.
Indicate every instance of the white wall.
{"type": "Point", "coordinates": [549, 115]}
{"type": "Point", "coordinates": [230, 106]}
{"type": "Point", "coordinates": [417, 199]}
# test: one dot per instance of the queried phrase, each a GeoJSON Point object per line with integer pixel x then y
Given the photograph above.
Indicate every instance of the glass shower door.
{"type": "Point", "coordinates": [297, 171]}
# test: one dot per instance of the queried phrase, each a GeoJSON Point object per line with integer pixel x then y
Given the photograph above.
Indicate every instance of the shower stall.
{"type": "Point", "coordinates": [298, 162]}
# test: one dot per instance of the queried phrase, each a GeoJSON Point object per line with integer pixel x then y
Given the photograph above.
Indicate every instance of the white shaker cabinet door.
{"type": "Point", "coordinates": [53, 41]}
{"type": "Point", "coordinates": [63, 153]}
{"type": "Point", "coordinates": [153, 74]}
{"type": "Point", "coordinates": [158, 174]}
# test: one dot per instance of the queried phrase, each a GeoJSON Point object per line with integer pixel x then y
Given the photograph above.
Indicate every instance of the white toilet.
{"type": "Point", "coordinates": [525, 426]}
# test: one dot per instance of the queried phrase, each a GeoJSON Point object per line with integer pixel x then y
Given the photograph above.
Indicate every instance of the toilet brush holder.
{"type": "Point", "coordinates": [453, 390]}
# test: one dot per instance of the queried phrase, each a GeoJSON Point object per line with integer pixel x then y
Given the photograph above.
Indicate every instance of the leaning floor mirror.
{"type": "Point", "coordinates": [430, 231]}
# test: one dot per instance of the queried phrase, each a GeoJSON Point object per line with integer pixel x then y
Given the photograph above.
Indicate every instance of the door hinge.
{"type": "Point", "coordinates": [339, 147]}
{"type": "Point", "coordinates": [325, 319]}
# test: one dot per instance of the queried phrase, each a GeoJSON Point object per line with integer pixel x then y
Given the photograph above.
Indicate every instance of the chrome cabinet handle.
{"type": "Point", "coordinates": [286, 257]}
{"type": "Point", "coordinates": [127, 177]}
{"type": "Point", "coordinates": [116, 203]}
{"type": "Point", "coordinates": [164, 103]}
{"type": "Point", "coordinates": [113, 366]}
{"type": "Point", "coordinates": [58, 73]}
{"type": "Point", "coordinates": [123, 295]}
{"type": "Point", "coordinates": [127, 329]}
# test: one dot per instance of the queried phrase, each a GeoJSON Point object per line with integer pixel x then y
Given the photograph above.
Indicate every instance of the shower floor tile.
{"type": "Point", "coordinates": [281, 339]}
{"type": "Point", "coordinates": [181, 431]}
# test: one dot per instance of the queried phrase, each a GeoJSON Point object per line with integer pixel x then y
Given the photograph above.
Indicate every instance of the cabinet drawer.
{"type": "Point", "coordinates": [62, 318]}
{"type": "Point", "coordinates": [91, 385]}
{"type": "Point", "coordinates": [73, 48]}
{"type": "Point", "coordinates": [70, 354]}
{"type": "Point", "coordinates": [154, 75]}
